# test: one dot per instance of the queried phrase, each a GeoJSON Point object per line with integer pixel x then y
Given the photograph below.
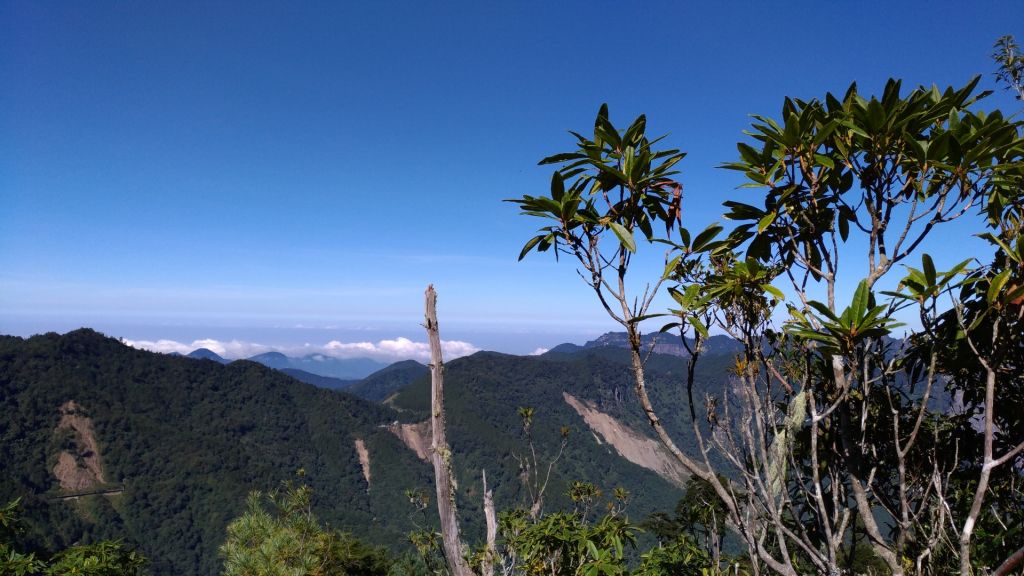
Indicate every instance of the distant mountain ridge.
{"type": "Point", "coordinates": [207, 354]}
{"type": "Point", "coordinates": [383, 383]}
{"type": "Point", "coordinates": [317, 369]}
{"type": "Point", "coordinates": [375, 386]}
{"type": "Point", "coordinates": [662, 343]}
{"type": "Point", "coordinates": [321, 364]}
{"type": "Point", "coordinates": [376, 381]}
{"type": "Point", "coordinates": [320, 381]}
{"type": "Point", "coordinates": [271, 360]}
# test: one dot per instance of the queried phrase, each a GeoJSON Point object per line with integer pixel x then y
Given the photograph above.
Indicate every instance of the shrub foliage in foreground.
{"type": "Point", "coordinates": [104, 558]}
{"type": "Point", "coordinates": [288, 540]}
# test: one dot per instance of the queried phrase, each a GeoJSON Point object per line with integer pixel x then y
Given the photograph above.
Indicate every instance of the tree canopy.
{"type": "Point", "coordinates": [836, 428]}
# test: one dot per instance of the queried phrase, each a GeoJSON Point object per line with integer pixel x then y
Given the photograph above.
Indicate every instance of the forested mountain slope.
{"type": "Point", "coordinates": [186, 441]}
{"type": "Point", "coordinates": [484, 390]}
{"type": "Point", "coordinates": [178, 443]}
{"type": "Point", "coordinates": [386, 381]}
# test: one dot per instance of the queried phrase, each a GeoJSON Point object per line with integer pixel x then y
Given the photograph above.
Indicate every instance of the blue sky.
{"type": "Point", "coordinates": [297, 173]}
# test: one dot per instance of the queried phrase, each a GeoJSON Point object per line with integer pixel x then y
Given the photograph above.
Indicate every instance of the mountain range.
{"type": "Point", "coordinates": [100, 440]}
{"type": "Point", "coordinates": [318, 380]}
{"type": "Point", "coordinates": [352, 369]}
{"type": "Point", "coordinates": [375, 386]}
{"type": "Point", "coordinates": [658, 343]}
{"type": "Point", "coordinates": [338, 373]}
{"type": "Point", "coordinates": [344, 368]}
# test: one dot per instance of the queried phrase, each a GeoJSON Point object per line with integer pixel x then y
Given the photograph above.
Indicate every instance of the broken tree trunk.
{"type": "Point", "coordinates": [487, 569]}
{"type": "Point", "coordinates": [440, 453]}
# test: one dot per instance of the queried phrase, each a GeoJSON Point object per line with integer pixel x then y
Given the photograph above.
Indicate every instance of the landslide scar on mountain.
{"type": "Point", "coordinates": [364, 460]}
{"type": "Point", "coordinates": [415, 436]}
{"type": "Point", "coordinates": [631, 445]}
{"type": "Point", "coordinates": [78, 465]}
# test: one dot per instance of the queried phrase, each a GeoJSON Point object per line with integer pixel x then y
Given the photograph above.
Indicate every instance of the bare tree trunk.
{"type": "Point", "coordinates": [492, 529]}
{"type": "Point", "coordinates": [440, 453]}
{"type": "Point", "coordinates": [983, 478]}
{"type": "Point", "coordinates": [853, 459]}
{"type": "Point", "coordinates": [989, 460]}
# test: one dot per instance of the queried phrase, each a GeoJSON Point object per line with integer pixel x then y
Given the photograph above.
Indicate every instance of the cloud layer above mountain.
{"type": "Point", "coordinates": [388, 350]}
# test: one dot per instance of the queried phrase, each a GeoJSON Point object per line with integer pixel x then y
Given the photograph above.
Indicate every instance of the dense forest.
{"type": "Point", "coordinates": [188, 439]}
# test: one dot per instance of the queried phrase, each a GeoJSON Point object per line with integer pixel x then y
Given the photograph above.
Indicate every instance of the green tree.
{"type": "Point", "coordinates": [828, 427]}
{"type": "Point", "coordinates": [288, 540]}
{"type": "Point", "coordinates": [699, 517]}
{"type": "Point", "coordinates": [101, 559]}
{"type": "Point", "coordinates": [566, 544]}
{"type": "Point", "coordinates": [104, 558]}
{"type": "Point", "coordinates": [12, 560]}
{"type": "Point", "coordinates": [680, 556]}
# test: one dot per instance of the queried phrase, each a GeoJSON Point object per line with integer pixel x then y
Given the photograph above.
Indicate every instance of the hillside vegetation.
{"type": "Point", "coordinates": [179, 443]}
{"type": "Point", "coordinates": [186, 440]}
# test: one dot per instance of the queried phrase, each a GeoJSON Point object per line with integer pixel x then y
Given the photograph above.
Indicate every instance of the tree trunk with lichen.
{"type": "Point", "coordinates": [440, 453]}
{"type": "Point", "coordinates": [487, 567]}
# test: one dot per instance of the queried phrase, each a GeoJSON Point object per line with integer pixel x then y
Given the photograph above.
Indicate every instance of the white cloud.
{"type": "Point", "coordinates": [162, 346]}
{"type": "Point", "coordinates": [229, 349]}
{"type": "Point", "coordinates": [387, 350]}
{"type": "Point", "coordinates": [399, 348]}
{"type": "Point", "coordinates": [538, 351]}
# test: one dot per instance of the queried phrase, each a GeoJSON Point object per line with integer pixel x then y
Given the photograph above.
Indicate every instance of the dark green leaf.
{"type": "Point", "coordinates": [929, 269]}
{"type": "Point", "coordinates": [702, 239]}
{"type": "Point", "coordinates": [860, 301]}
{"type": "Point", "coordinates": [558, 158]}
{"type": "Point", "coordinates": [529, 246]}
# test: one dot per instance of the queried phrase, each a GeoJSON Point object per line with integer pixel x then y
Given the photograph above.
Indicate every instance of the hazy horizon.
{"type": "Point", "coordinates": [380, 342]}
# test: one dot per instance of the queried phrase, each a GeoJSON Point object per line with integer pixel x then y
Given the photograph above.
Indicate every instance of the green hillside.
{"type": "Point", "coordinates": [386, 381]}
{"type": "Point", "coordinates": [187, 440]}
{"type": "Point", "coordinates": [483, 391]}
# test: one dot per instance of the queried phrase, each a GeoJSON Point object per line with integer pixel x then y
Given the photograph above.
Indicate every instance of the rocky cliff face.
{"type": "Point", "coordinates": [628, 443]}
{"type": "Point", "coordinates": [78, 467]}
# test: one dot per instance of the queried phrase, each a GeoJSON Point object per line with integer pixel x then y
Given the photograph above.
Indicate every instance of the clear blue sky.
{"type": "Point", "coordinates": [289, 173]}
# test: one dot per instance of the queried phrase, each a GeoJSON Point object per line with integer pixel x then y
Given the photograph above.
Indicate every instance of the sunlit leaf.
{"type": "Point", "coordinates": [625, 236]}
